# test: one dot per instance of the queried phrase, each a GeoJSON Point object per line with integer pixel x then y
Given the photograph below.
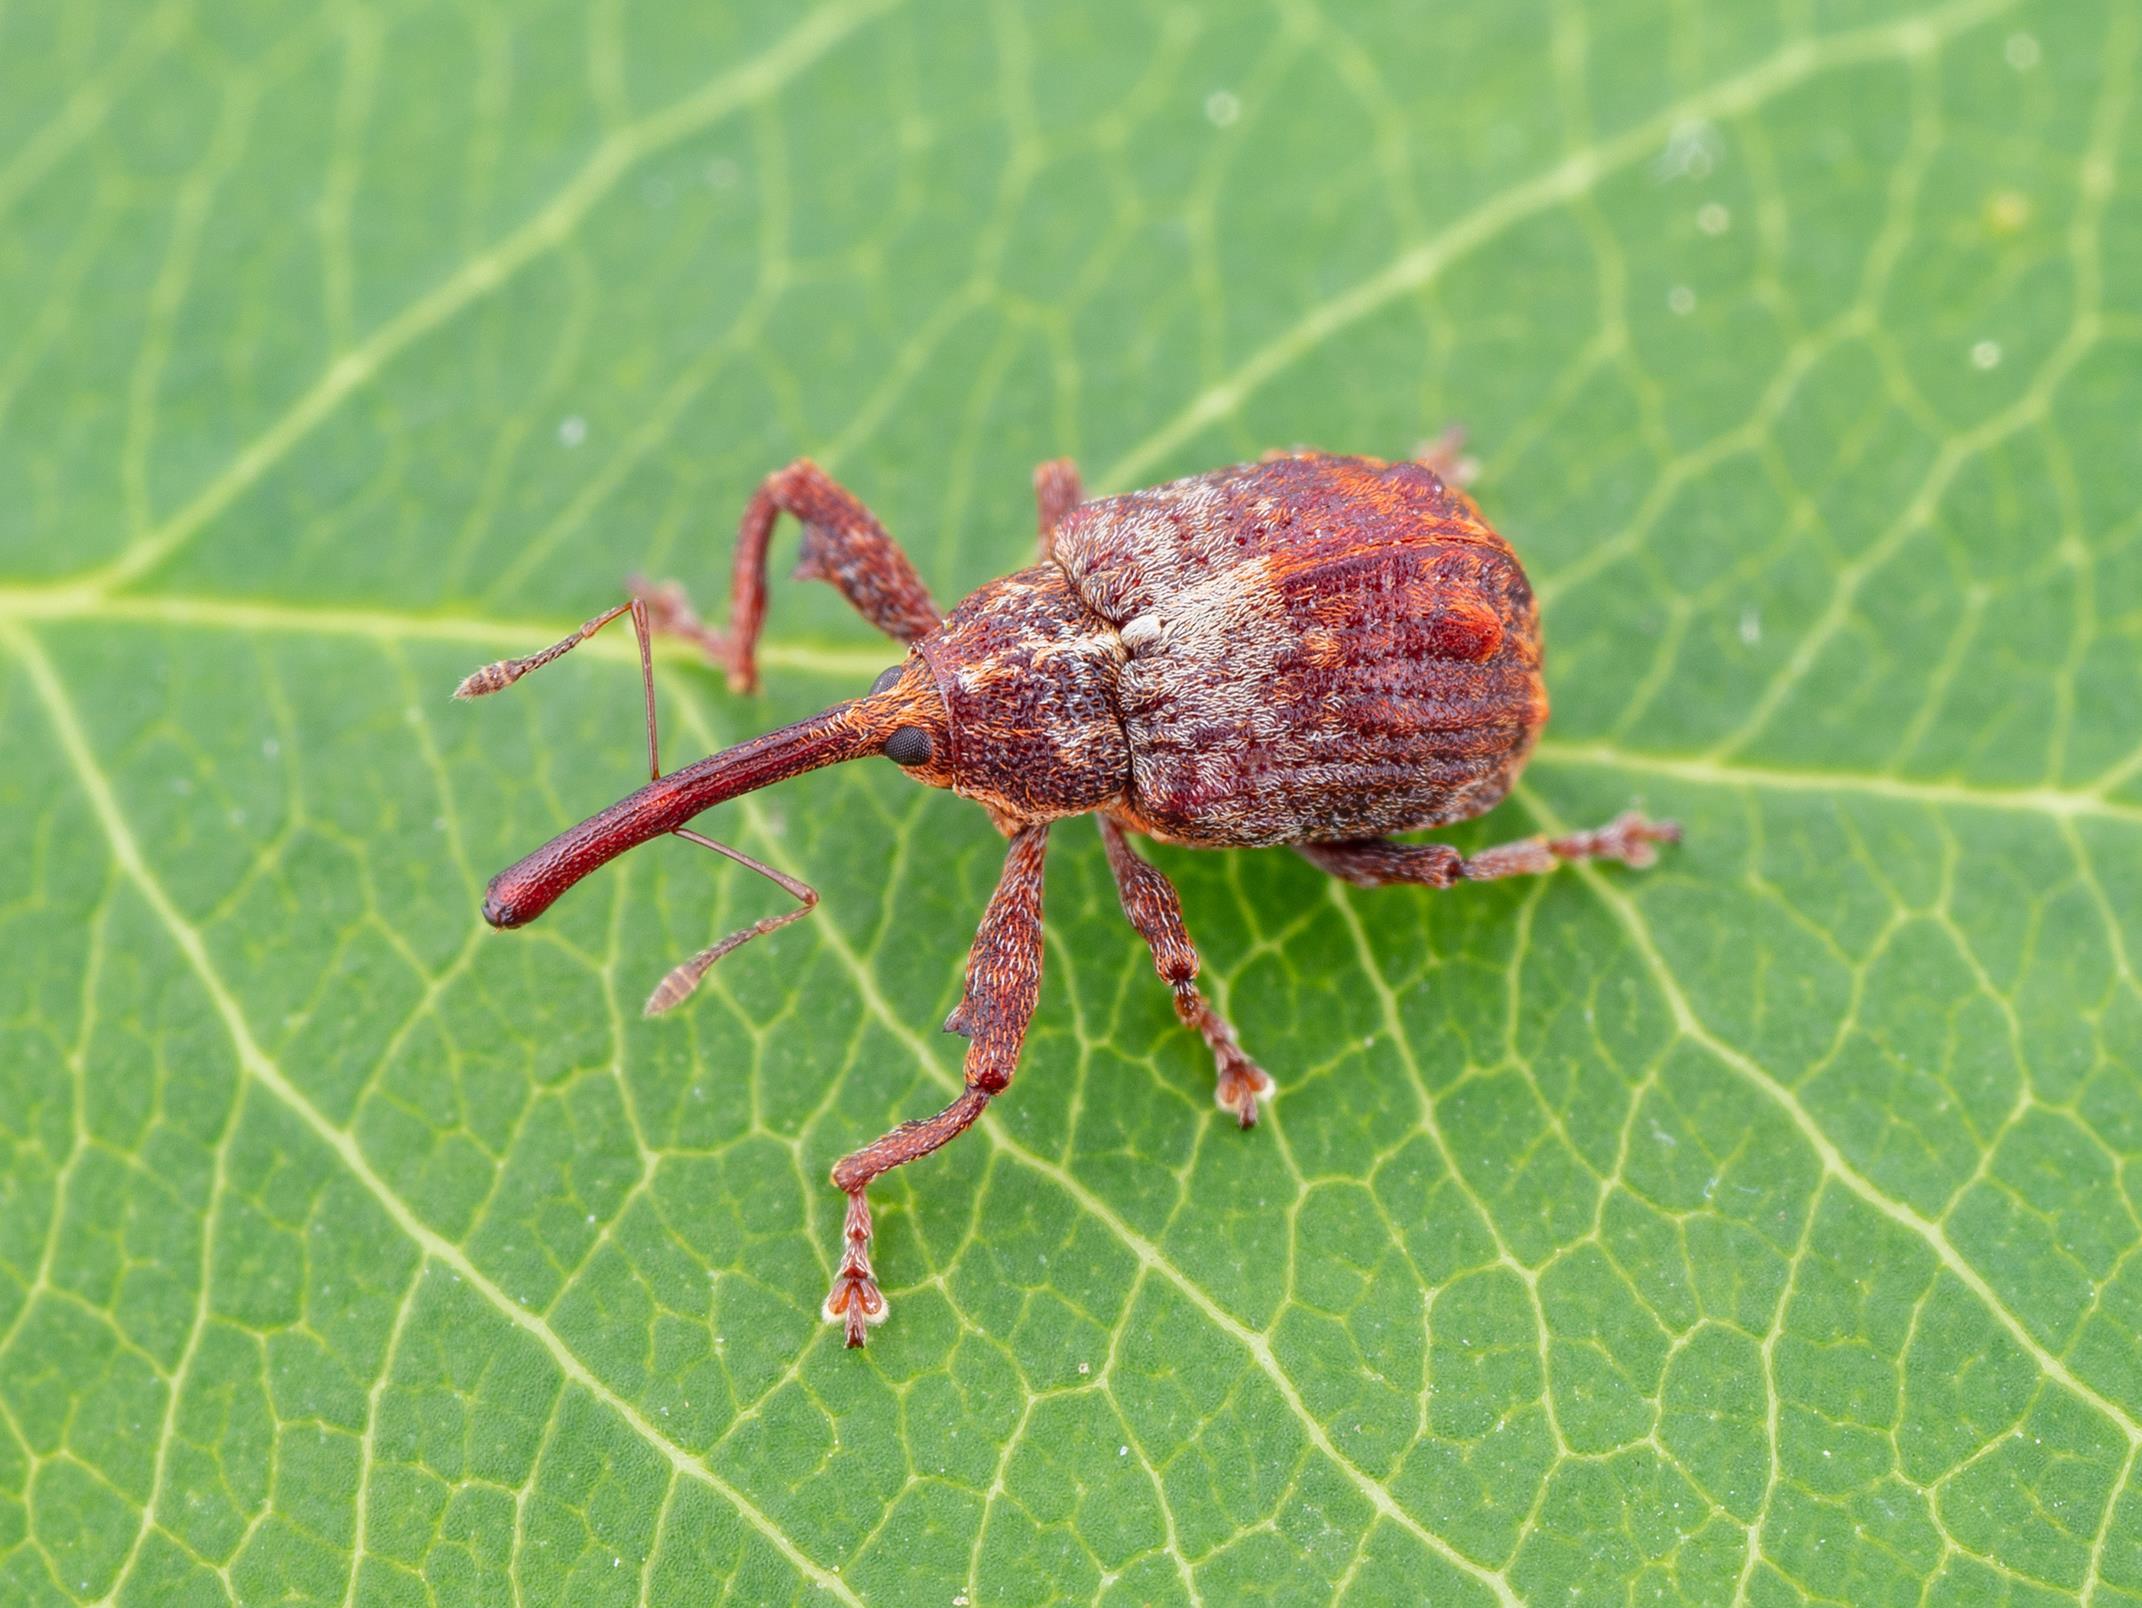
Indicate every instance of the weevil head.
{"type": "Point", "coordinates": [909, 724]}
{"type": "Point", "coordinates": [1012, 702]}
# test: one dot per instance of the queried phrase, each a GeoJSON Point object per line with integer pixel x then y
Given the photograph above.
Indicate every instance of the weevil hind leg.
{"type": "Point", "coordinates": [1003, 984]}
{"type": "Point", "coordinates": [1631, 839]}
{"type": "Point", "coordinates": [1156, 910]}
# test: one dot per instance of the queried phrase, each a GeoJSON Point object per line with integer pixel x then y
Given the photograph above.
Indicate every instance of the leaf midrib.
{"type": "Point", "coordinates": [28, 606]}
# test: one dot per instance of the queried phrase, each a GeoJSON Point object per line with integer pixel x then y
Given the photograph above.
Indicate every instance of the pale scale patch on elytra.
{"type": "Point", "coordinates": [1105, 645]}
{"type": "Point", "coordinates": [1217, 651]}
{"type": "Point", "coordinates": [1147, 546]}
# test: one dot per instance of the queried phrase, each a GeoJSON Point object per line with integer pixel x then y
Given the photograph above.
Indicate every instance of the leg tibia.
{"type": "Point", "coordinates": [1150, 901]}
{"type": "Point", "coordinates": [918, 1136]}
{"type": "Point", "coordinates": [843, 543]}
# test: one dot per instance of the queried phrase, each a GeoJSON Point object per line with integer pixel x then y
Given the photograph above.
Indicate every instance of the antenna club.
{"type": "Point", "coordinates": [492, 677]}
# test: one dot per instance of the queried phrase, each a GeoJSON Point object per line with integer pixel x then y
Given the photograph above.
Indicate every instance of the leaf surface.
{"type": "Point", "coordinates": [1758, 1228]}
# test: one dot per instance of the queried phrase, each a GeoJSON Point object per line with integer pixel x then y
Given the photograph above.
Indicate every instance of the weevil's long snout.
{"type": "Point", "coordinates": [528, 887]}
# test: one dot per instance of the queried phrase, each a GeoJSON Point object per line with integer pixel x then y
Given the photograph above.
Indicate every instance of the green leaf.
{"type": "Point", "coordinates": [1762, 1227]}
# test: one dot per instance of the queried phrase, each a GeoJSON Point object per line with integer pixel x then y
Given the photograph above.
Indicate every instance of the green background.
{"type": "Point", "coordinates": [1763, 1227]}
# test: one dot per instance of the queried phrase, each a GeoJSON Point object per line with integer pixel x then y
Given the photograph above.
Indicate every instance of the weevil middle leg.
{"type": "Point", "coordinates": [1155, 909]}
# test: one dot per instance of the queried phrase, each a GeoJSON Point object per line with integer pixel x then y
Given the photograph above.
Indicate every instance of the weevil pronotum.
{"type": "Point", "coordinates": [1311, 650]}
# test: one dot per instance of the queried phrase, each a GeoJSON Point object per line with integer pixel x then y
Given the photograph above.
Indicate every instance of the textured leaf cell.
{"type": "Point", "coordinates": [1764, 1228]}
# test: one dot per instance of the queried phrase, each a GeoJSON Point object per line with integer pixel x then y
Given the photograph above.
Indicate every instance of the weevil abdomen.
{"type": "Point", "coordinates": [1317, 648]}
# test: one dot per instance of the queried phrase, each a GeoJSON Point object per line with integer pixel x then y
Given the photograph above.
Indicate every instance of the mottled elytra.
{"type": "Point", "coordinates": [1312, 650]}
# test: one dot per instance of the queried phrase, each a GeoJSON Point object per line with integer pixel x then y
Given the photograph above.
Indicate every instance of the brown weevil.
{"type": "Point", "coordinates": [1311, 650]}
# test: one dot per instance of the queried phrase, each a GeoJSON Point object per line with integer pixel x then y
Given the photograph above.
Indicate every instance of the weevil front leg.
{"type": "Point", "coordinates": [1378, 862]}
{"type": "Point", "coordinates": [843, 543]}
{"type": "Point", "coordinates": [1003, 983]}
{"type": "Point", "coordinates": [1151, 903]}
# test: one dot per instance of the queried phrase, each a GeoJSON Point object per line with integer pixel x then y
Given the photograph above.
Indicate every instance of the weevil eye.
{"type": "Point", "coordinates": [886, 678]}
{"type": "Point", "coordinates": [909, 746]}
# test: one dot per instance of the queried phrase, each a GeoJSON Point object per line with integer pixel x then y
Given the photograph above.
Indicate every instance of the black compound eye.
{"type": "Point", "coordinates": [886, 678]}
{"type": "Point", "coordinates": [909, 746]}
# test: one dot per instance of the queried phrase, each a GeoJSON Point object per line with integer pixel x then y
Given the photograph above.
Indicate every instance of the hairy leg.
{"type": "Point", "coordinates": [1377, 862]}
{"type": "Point", "coordinates": [1150, 901]}
{"type": "Point", "coordinates": [1003, 982]}
{"type": "Point", "coordinates": [1056, 492]}
{"type": "Point", "coordinates": [843, 543]}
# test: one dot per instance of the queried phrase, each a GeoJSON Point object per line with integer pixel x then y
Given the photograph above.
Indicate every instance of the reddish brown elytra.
{"type": "Point", "coordinates": [1312, 650]}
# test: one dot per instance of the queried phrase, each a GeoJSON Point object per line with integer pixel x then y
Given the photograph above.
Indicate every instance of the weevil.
{"type": "Point", "coordinates": [1311, 650]}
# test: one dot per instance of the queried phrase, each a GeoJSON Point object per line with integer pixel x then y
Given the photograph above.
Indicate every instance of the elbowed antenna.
{"type": "Point", "coordinates": [528, 887]}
